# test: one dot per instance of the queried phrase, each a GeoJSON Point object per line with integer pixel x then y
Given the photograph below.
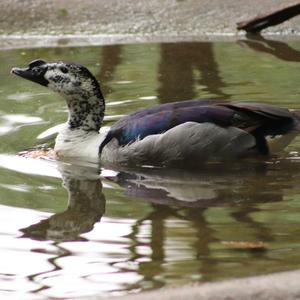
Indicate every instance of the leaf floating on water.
{"type": "Point", "coordinates": [245, 245]}
{"type": "Point", "coordinates": [38, 153]}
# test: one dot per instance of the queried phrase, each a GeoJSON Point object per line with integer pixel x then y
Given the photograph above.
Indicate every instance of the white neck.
{"type": "Point", "coordinates": [78, 144]}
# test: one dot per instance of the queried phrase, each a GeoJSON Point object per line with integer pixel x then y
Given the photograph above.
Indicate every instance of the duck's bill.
{"type": "Point", "coordinates": [34, 75]}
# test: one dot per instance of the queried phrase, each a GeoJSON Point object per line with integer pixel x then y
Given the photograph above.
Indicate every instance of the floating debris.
{"type": "Point", "coordinates": [259, 245]}
{"type": "Point", "coordinates": [38, 153]}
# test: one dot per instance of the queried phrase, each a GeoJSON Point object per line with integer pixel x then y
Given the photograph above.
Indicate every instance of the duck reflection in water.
{"type": "Point", "coordinates": [250, 184]}
{"type": "Point", "coordinates": [86, 205]}
{"type": "Point", "coordinates": [179, 195]}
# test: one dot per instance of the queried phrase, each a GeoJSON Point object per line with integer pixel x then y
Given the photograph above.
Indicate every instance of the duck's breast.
{"type": "Point", "coordinates": [78, 144]}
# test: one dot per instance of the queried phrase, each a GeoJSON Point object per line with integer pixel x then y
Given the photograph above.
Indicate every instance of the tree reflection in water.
{"type": "Point", "coordinates": [178, 64]}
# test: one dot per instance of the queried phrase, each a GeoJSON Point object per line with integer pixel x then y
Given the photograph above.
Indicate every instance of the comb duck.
{"type": "Point", "coordinates": [186, 132]}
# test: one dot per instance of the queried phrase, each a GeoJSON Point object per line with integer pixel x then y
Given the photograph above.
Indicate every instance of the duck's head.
{"type": "Point", "coordinates": [67, 79]}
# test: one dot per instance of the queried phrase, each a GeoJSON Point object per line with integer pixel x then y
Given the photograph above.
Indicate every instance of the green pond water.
{"type": "Point", "coordinates": [66, 231]}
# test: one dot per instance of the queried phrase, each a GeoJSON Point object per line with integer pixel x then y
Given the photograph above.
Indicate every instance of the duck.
{"type": "Point", "coordinates": [183, 133]}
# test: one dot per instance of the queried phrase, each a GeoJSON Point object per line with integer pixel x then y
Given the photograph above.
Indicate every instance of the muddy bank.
{"type": "Point", "coordinates": [62, 22]}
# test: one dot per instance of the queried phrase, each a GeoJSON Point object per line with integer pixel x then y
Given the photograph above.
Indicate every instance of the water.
{"type": "Point", "coordinates": [125, 231]}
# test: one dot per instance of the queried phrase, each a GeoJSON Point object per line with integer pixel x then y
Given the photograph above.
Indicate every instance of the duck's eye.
{"type": "Point", "coordinates": [64, 69]}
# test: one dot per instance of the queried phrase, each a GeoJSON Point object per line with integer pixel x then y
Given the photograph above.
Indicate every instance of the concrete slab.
{"type": "Point", "coordinates": [285, 285]}
{"type": "Point", "coordinates": [102, 21]}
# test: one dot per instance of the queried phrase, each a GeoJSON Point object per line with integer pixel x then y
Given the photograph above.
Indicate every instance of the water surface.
{"type": "Point", "coordinates": [68, 231]}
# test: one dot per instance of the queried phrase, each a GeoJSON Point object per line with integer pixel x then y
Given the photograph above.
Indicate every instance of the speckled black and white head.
{"type": "Point", "coordinates": [73, 82]}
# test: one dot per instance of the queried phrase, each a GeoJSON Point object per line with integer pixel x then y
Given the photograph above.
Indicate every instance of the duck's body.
{"type": "Point", "coordinates": [187, 132]}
